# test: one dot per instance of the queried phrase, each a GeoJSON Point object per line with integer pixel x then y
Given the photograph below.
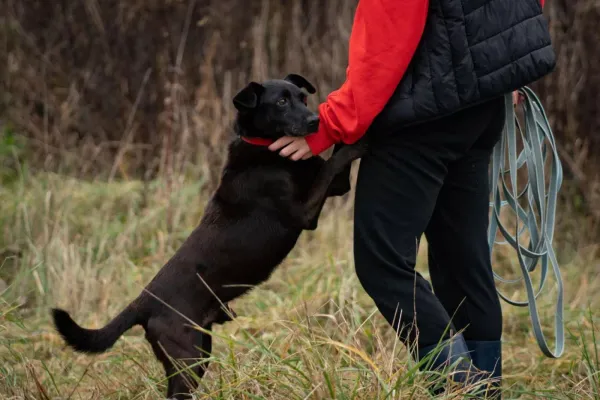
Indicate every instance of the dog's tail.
{"type": "Point", "coordinates": [94, 340]}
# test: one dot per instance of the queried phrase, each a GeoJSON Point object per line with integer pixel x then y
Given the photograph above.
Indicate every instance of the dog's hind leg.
{"type": "Point", "coordinates": [183, 351]}
{"type": "Point", "coordinates": [204, 346]}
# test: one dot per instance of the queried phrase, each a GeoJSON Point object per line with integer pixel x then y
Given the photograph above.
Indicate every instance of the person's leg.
{"type": "Point", "coordinates": [459, 255]}
{"type": "Point", "coordinates": [396, 193]}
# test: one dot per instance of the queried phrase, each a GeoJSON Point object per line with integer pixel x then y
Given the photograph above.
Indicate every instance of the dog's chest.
{"type": "Point", "coordinates": [303, 175]}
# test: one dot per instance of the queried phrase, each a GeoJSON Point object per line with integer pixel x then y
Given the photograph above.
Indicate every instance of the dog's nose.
{"type": "Point", "coordinates": [313, 123]}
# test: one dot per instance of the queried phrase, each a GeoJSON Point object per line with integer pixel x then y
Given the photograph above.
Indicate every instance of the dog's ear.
{"type": "Point", "coordinates": [248, 97]}
{"type": "Point", "coordinates": [301, 82]}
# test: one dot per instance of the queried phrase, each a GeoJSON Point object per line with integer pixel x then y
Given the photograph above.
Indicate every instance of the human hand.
{"type": "Point", "coordinates": [517, 98]}
{"type": "Point", "coordinates": [296, 148]}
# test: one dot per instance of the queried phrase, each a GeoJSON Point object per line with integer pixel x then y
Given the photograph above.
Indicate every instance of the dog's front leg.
{"type": "Point", "coordinates": [282, 193]}
{"type": "Point", "coordinates": [340, 185]}
{"type": "Point", "coordinates": [339, 162]}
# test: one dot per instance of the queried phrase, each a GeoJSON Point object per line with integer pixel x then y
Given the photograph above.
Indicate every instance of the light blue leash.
{"type": "Point", "coordinates": [534, 155]}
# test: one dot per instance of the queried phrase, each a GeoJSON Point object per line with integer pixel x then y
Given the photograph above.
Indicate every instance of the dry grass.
{"type": "Point", "coordinates": [125, 124]}
{"type": "Point", "coordinates": [143, 88]}
{"type": "Point", "coordinates": [571, 95]}
{"type": "Point", "coordinates": [308, 333]}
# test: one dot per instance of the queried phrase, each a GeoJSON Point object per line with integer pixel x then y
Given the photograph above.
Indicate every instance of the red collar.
{"type": "Point", "coordinates": [257, 141]}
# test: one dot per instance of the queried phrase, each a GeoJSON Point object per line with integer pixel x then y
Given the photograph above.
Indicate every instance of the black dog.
{"type": "Point", "coordinates": [251, 223]}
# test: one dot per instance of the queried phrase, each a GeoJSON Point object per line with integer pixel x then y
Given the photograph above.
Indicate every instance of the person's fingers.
{"type": "Point", "coordinates": [517, 98]}
{"type": "Point", "coordinates": [280, 143]}
{"type": "Point", "coordinates": [294, 155]}
{"type": "Point", "coordinates": [290, 149]}
{"type": "Point", "coordinates": [298, 155]}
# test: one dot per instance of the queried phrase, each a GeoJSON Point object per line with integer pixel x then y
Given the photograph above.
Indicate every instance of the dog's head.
{"type": "Point", "coordinates": [276, 108]}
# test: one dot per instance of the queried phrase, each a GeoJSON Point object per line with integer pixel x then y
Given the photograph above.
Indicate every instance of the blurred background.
{"type": "Point", "coordinates": [108, 107]}
{"type": "Point", "coordinates": [121, 89]}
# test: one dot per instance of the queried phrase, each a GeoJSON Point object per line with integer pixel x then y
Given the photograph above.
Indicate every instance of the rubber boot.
{"type": "Point", "coordinates": [447, 354]}
{"type": "Point", "coordinates": [487, 358]}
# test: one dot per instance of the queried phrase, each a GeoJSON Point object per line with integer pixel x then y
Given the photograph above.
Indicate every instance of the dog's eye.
{"type": "Point", "coordinates": [282, 102]}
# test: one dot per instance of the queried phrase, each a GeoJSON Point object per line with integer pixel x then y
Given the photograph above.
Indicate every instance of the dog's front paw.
{"type": "Point", "coordinates": [344, 157]}
{"type": "Point", "coordinates": [313, 211]}
{"type": "Point", "coordinates": [341, 183]}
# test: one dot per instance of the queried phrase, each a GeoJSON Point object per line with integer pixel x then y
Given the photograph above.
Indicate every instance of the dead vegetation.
{"type": "Point", "coordinates": [116, 91]}
{"type": "Point", "coordinates": [120, 89]}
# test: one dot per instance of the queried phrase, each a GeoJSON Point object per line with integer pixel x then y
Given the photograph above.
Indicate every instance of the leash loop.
{"type": "Point", "coordinates": [538, 146]}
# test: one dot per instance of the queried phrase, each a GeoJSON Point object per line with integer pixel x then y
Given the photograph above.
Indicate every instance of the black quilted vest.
{"type": "Point", "coordinates": [470, 51]}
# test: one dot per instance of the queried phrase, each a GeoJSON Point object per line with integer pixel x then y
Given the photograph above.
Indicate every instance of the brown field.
{"type": "Point", "coordinates": [113, 120]}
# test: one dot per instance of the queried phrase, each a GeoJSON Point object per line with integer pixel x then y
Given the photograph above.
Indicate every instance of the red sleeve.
{"type": "Point", "coordinates": [384, 37]}
{"type": "Point", "coordinates": [542, 1]}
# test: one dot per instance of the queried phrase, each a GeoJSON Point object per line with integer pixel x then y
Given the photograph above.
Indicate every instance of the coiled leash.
{"type": "Point", "coordinates": [538, 146]}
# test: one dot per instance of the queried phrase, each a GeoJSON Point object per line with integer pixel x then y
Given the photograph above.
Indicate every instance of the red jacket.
{"type": "Point", "coordinates": [377, 62]}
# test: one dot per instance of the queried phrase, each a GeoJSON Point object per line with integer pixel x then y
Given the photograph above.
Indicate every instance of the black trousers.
{"type": "Point", "coordinates": [431, 179]}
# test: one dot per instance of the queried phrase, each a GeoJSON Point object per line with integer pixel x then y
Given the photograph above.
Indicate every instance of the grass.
{"type": "Point", "coordinates": [310, 332]}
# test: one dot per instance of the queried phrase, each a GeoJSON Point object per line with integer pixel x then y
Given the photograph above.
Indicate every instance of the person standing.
{"type": "Point", "coordinates": [426, 81]}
